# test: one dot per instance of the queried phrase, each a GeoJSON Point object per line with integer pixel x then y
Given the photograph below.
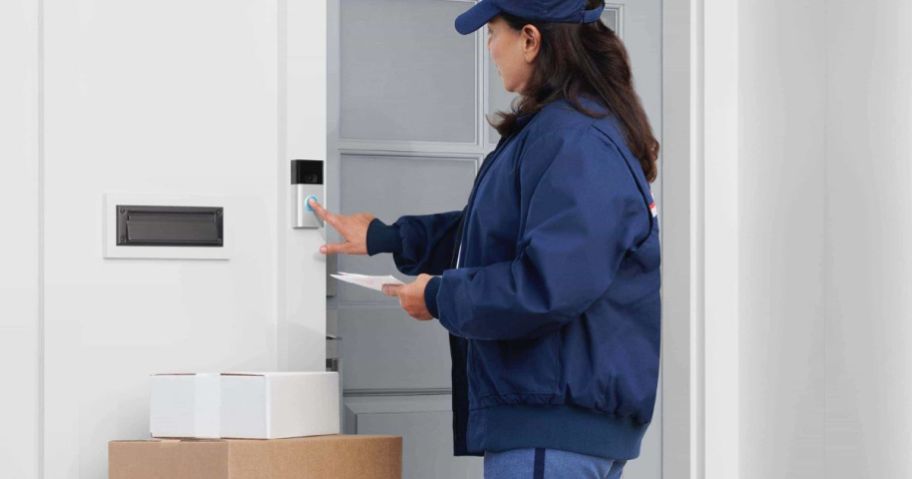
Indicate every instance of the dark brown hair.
{"type": "Point", "coordinates": [584, 59]}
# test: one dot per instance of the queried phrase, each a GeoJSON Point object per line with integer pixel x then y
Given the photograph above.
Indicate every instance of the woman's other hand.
{"type": "Point", "coordinates": [353, 229]}
{"type": "Point", "coordinates": [411, 296]}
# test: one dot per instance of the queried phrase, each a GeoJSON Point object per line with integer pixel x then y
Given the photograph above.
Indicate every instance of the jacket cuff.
{"type": "Point", "coordinates": [430, 295]}
{"type": "Point", "coordinates": [382, 238]}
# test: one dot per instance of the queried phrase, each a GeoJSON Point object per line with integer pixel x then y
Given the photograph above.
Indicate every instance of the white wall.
{"type": "Point", "coordinates": [138, 100]}
{"type": "Point", "coordinates": [868, 254]}
{"type": "Point", "coordinates": [19, 239]}
{"type": "Point", "coordinates": [161, 98]}
{"type": "Point", "coordinates": [782, 191]}
{"type": "Point", "coordinates": [826, 111]}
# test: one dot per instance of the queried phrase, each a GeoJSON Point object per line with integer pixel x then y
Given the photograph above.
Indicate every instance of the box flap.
{"type": "Point", "coordinates": [172, 459]}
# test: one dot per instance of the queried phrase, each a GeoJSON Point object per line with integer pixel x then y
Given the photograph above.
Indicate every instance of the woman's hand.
{"type": "Point", "coordinates": [353, 229]}
{"type": "Point", "coordinates": [411, 297]}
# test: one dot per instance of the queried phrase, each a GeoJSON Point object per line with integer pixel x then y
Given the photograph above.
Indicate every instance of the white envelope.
{"type": "Point", "coordinates": [366, 281]}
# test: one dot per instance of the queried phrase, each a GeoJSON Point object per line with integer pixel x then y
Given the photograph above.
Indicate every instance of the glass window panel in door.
{"type": "Point", "coordinates": [406, 74]}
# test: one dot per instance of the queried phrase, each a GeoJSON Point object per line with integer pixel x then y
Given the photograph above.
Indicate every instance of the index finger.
{"type": "Point", "coordinates": [321, 211]}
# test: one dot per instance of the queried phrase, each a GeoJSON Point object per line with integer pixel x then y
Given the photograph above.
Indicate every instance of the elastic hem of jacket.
{"type": "Point", "coordinates": [382, 238]}
{"type": "Point", "coordinates": [569, 428]}
{"type": "Point", "coordinates": [430, 295]}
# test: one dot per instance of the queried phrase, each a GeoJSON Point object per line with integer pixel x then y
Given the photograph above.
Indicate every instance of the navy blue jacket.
{"type": "Point", "coordinates": [554, 310]}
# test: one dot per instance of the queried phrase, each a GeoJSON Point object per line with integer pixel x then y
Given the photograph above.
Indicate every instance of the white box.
{"type": "Point", "coordinates": [185, 405]}
{"type": "Point", "coordinates": [247, 405]}
{"type": "Point", "coordinates": [277, 405]}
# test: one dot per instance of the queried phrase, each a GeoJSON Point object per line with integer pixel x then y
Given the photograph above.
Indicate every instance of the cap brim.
{"type": "Point", "coordinates": [476, 17]}
{"type": "Point", "coordinates": [590, 16]}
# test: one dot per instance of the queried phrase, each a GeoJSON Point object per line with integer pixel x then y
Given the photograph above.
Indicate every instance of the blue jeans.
{"type": "Point", "coordinates": [538, 463]}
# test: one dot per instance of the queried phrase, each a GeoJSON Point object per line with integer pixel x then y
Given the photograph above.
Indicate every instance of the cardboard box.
{"type": "Point", "coordinates": [316, 457]}
{"type": "Point", "coordinates": [269, 405]}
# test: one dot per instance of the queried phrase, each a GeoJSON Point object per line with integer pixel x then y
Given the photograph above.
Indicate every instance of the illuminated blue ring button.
{"type": "Point", "coordinates": [307, 201]}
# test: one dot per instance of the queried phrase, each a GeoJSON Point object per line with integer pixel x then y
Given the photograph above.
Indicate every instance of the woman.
{"type": "Point", "coordinates": [548, 280]}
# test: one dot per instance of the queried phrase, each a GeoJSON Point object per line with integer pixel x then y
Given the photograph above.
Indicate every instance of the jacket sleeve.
{"type": "Point", "coordinates": [584, 214]}
{"type": "Point", "coordinates": [419, 244]}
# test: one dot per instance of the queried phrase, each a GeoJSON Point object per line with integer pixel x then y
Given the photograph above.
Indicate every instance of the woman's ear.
{"type": "Point", "coordinates": [531, 42]}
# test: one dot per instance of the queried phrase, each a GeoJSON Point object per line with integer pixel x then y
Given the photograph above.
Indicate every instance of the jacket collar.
{"type": "Point", "coordinates": [586, 101]}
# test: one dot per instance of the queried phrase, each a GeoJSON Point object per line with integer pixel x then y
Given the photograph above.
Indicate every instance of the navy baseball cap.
{"type": "Point", "coordinates": [558, 11]}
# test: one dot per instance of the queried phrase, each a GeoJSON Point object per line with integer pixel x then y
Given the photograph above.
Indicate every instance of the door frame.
{"type": "Point", "coordinates": [700, 249]}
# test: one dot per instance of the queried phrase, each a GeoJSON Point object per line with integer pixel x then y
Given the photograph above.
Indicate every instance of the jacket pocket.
{"type": "Point", "coordinates": [504, 371]}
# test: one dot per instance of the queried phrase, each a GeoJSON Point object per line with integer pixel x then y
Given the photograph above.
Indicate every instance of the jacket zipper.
{"type": "Point", "coordinates": [454, 261]}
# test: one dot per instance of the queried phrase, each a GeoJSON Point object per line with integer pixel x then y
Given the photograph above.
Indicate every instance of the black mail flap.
{"type": "Point", "coordinates": [169, 225]}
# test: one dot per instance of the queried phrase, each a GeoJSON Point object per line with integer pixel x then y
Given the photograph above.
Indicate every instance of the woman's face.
{"type": "Point", "coordinates": [513, 52]}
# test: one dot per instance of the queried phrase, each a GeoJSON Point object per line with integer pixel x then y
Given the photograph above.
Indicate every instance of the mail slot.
{"type": "Point", "coordinates": [147, 225]}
